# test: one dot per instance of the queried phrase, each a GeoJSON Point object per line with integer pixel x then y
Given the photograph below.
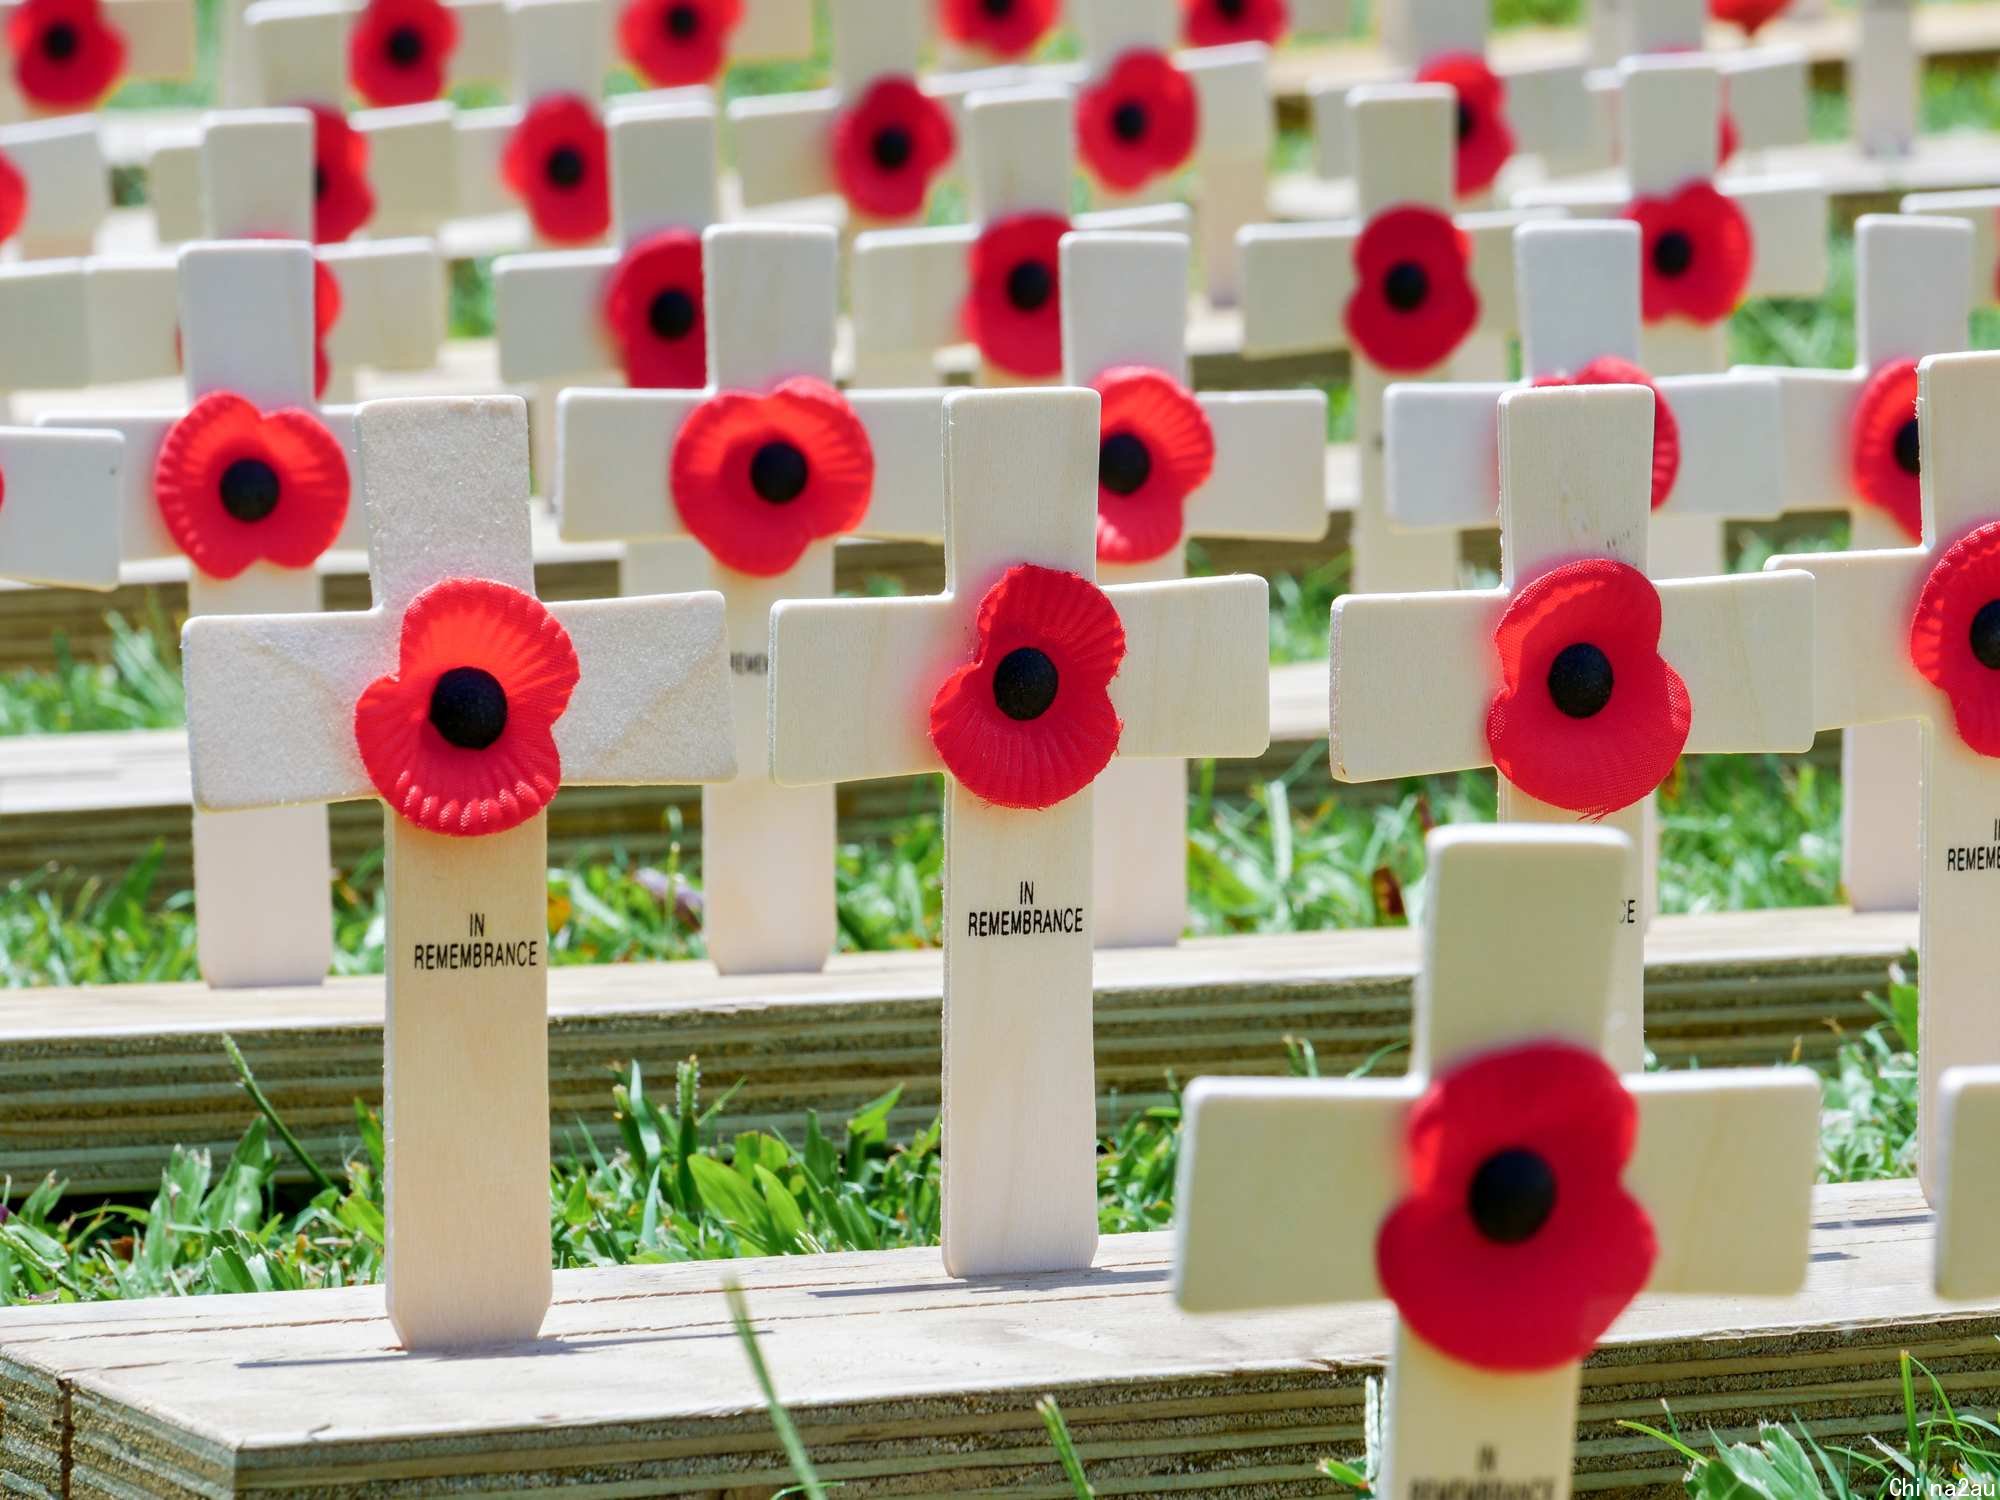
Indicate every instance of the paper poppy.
{"type": "Point", "coordinates": [13, 199]}
{"type": "Point", "coordinates": [1028, 722]}
{"type": "Point", "coordinates": [1611, 370]}
{"type": "Point", "coordinates": [1589, 716]}
{"type": "Point", "coordinates": [1516, 1245]}
{"type": "Point", "coordinates": [1005, 29]}
{"type": "Point", "coordinates": [1154, 449]}
{"type": "Point", "coordinates": [66, 55]}
{"type": "Point", "coordinates": [1695, 256]}
{"type": "Point", "coordinates": [759, 478]}
{"type": "Point", "coordinates": [1885, 451]}
{"type": "Point", "coordinates": [237, 486]}
{"type": "Point", "coordinates": [888, 146]}
{"type": "Point", "coordinates": [326, 312]}
{"type": "Point", "coordinates": [653, 309]}
{"type": "Point", "coordinates": [674, 43]}
{"type": "Point", "coordinates": [1748, 14]}
{"type": "Point", "coordinates": [1413, 300]}
{"type": "Point", "coordinates": [1485, 140]}
{"type": "Point", "coordinates": [1955, 635]}
{"type": "Point", "coordinates": [398, 51]}
{"type": "Point", "coordinates": [460, 738]}
{"type": "Point", "coordinates": [1013, 302]}
{"type": "Point", "coordinates": [1217, 23]}
{"type": "Point", "coordinates": [556, 163]}
{"type": "Point", "coordinates": [342, 198]}
{"type": "Point", "coordinates": [1138, 121]}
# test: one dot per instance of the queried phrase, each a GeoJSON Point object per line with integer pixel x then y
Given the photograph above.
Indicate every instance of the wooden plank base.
{"type": "Point", "coordinates": [905, 1382]}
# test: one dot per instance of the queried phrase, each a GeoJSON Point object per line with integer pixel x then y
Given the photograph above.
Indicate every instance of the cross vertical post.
{"type": "Point", "coordinates": [1968, 1189]}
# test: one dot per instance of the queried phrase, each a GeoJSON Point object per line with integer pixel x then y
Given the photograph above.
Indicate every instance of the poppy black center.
{"type": "Point", "coordinates": [1673, 253]}
{"type": "Point", "coordinates": [565, 166]}
{"type": "Point", "coordinates": [1024, 684]}
{"type": "Point", "coordinates": [997, 8]}
{"type": "Point", "coordinates": [1406, 286]}
{"type": "Point", "coordinates": [319, 182]}
{"type": "Point", "coordinates": [682, 21]}
{"type": "Point", "coordinates": [406, 46]}
{"type": "Point", "coordinates": [249, 489]}
{"type": "Point", "coordinates": [778, 472]}
{"type": "Point", "coordinates": [1029, 285]}
{"type": "Point", "coordinates": [59, 42]}
{"type": "Point", "coordinates": [1511, 1196]}
{"type": "Point", "coordinates": [1230, 8]}
{"type": "Point", "coordinates": [1123, 463]}
{"type": "Point", "coordinates": [1580, 680]}
{"type": "Point", "coordinates": [1128, 121]}
{"type": "Point", "coordinates": [671, 313]}
{"type": "Point", "coordinates": [469, 708]}
{"type": "Point", "coordinates": [891, 147]}
{"type": "Point", "coordinates": [1909, 449]}
{"type": "Point", "coordinates": [1465, 119]}
{"type": "Point", "coordinates": [1986, 634]}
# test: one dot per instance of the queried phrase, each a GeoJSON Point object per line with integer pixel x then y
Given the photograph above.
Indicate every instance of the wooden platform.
{"type": "Point", "coordinates": [639, 1386]}
{"type": "Point", "coordinates": [99, 1083]}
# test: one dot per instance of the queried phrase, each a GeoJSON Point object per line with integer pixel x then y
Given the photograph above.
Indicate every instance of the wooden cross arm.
{"type": "Point", "coordinates": [1270, 467]}
{"type": "Point", "coordinates": [1411, 677]}
{"type": "Point", "coordinates": [782, 149]}
{"type": "Point", "coordinates": [1551, 110]}
{"type": "Point", "coordinates": [1743, 645]}
{"type": "Point", "coordinates": [1491, 238]}
{"type": "Point", "coordinates": [159, 36]}
{"type": "Point", "coordinates": [1968, 1190]}
{"type": "Point", "coordinates": [1297, 279]}
{"type": "Point", "coordinates": [1861, 634]}
{"type": "Point", "coordinates": [1814, 411]}
{"type": "Point", "coordinates": [1236, 1247]}
{"type": "Point", "coordinates": [1787, 217]}
{"type": "Point", "coordinates": [549, 319]}
{"type": "Point", "coordinates": [1232, 87]}
{"type": "Point", "coordinates": [132, 317]}
{"type": "Point", "coordinates": [44, 307]}
{"type": "Point", "coordinates": [1729, 465]}
{"type": "Point", "coordinates": [907, 286]}
{"type": "Point", "coordinates": [851, 685]}
{"type": "Point", "coordinates": [1441, 454]}
{"type": "Point", "coordinates": [1196, 679]}
{"type": "Point", "coordinates": [774, 28]}
{"type": "Point", "coordinates": [392, 303]}
{"type": "Point", "coordinates": [59, 517]}
{"type": "Point", "coordinates": [1979, 209]}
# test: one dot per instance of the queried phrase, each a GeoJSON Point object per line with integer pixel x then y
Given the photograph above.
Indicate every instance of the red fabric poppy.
{"type": "Point", "coordinates": [1884, 453]}
{"type": "Point", "coordinates": [556, 162]}
{"type": "Point", "coordinates": [673, 43]}
{"type": "Point", "coordinates": [13, 199]}
{"type": "Point", "coordinates": [1005, 29]}
{"type": "Point", "coordinates": [758, 479]}
{"type": "Point", "coordinates": [1217, 23]}
{"type": "Point", "coordinates": [398, 51]}
{"type": "Point", "coordinates": [1154, 450]}
{"type": "Point", "coordinates": [460, 738]}
{"type": "Point", "coordinates": [889, 146]}
{"type": "Point", "coordinates": [66, 55]}
{"type": "Point", "coordinates": [1611, 370]}
{"type": "Point", "coordinates": [1138, 121]}
{"type": "Point", "coordinates": [1696, 254]}
{"type": "Point", "coordinates": [342, 199]}
{"type": "Point", "coordinates": [1028, 722]}
{"type": "Point", "coordinates": [1413, 299]}
{"type": "Point", "coordinates": [1516, 1245]}
{"type": "Point", "coordinates": [1589, 715]}
{"type": "Point", "coordinates": [1485, 140]}
{"type": "Point", "coordinates": [326, 312]}
{"type": "Point", "coordinates": [1748, 14]}
{"type": "Point", "coordinates": [1013, 303]}
{"type": "Point", "coordinates": [1955, 635]}
{"type": "Point", "coordinates": [653, 308]}
{"type": "Point", "coordinates": [236, 486]}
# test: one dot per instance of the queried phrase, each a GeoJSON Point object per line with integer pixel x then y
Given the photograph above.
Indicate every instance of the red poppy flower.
{"type": "Point", "coordinates": [653, 307]}
{"type": "Point", "coordinates": [1138, 121]}
{"type": "Point", "coordinates": [13, 198]}
{"type": "Point", "coordinates": [556, 162]}
{"type": "Point", "coordinates": [1517, 1245]}
{"type": "Point", "coordinates": [1004, 28]}
{"type": "Point", "coordinates": [1748, 14]}
{"type": "Point", "coordinates": [342, 198]}
{"type": "Point", "coordinates": [1013, 304]}
{"type": "Point", "coordinates": [236, 486]}
{"type": "Point", "coordinates": [66, 55]}
{"type": "Point", "coordinates": [1589, 716]}
{"type": "Point", "coordinates": [1485, 140]}
{"type": "Point", "coordinates": [1217, 23]}
{"type": "Point", "coordinates": [1696, 254]}
{"type": "Point", "coordinates": [460, 738]}
{"type": "Point", "coordinates": [1028, 722]}
{"type": "Point", "coordinates": [758, 479]}
{"type": "Point", "coordinates": [888, 146]}
{"type": "Point", "coordinates": [1413, 301]}
{"type": "Point", "coordinates": [673, 43]}
{"type": "Point", "coordinates": [1154, 449]}
{"type": "Point", "coordinates": [398, 49]}
{"type": "Point", "coordinates": [326, 312]}
{"type": "Point", "coordinates": [1955, 635]}
{"type": "Point", "coordinates": [1611, 370]}
{"type": "Point", "coordinates": [1884, 452]}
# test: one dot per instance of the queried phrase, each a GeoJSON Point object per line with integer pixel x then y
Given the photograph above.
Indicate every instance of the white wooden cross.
{"type": "Point", "coordinates": [158, 37]}
{"type": "Point", "coordinates": [1122, 299]}
{"type": "Point", "coordinates": [909, 287]}
{"type": "Point", "coordinates": [1885, 78]}
{"type": "Point", "coordinates": [1001, 682]}
{"type": "Point", "coordinates": [57, 167]}
{"type": "Point", "coordinates": [1979, 208]}
{"type": "Point", "coordinates": [59, 507]}
{"type": "Point", "coordinates": [1300, 279]}
{"type": "Point", "coordinates": [772, 296]}
{"type": "Point", "coordinates": [1911, 278]}
{"type": "Point", "coordinates": [1874, 610]}
{"type": "Point", "coordinates": [1514, 1192]}
{"type": "Point", "coordinates": [265, 41]}
{"type": "Point", "coordinates": [463, 704]}
{"type": "Point", "coordinates": [246, 318]}
{"type": "Point", "coordinates": [1967, 1192]}
{"type": "Point", "coordinates": [1419, 687]}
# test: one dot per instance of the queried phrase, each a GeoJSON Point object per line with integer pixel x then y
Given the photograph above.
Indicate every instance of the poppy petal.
{"type": "Point", "coordinates": [654, 310]}
{"type": "Point", "coordinates": [1137, 122]}
{"type": "Point", "coordinates": [342, 199]}
{"type": "Point", "coordinates": [66, 54]}
{"type": "Point", "coordinates": [1218, 23]}
{"type": "Point", "coordinates": [1005, 29]}
{"type": "Point", "coordinates": [1885, 456]}
{"type": "Point", "coordinates": [556, 162]}
{"type": "Point", "coordinates": [889, 146]}
{"type": "Point", "coordinates": [1955, 635]}
{"type": "Point", "coordinates": [13, 199]}
{"type": "Point", "coordinates": [676, 43]}
{"type": "Point", "coordinates": [399, 49]}
{"type": "Point", "coordinates": [1485, 140]}
{"type": "Point", "coordinates": [1610, 370]}
{"type": "Point", "coordinates": [1413, 300]}
{"type": "Point", "coordinates": [1696, 254]}
{"type": "Point", "coordinates": [1013, 302]}
{"type": "Point", "coordinates": [1155, 449]}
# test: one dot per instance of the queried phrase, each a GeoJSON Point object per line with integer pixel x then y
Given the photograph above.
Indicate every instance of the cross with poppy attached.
{"type": "Point", "coordinates": [982, 33]}
{"type": "Point", "coordinates": [995, 281]}
{"type": "Point", "coordinates": [59, 507]}
{"type": "Point", "coordinates": [463, 703]}
{"type": "Point", "coordinates": [65, 56]}
{"type": "Point", "coordinates": [754, 477]}
{"type": "Point", "coordinates": [386, 53]}
{"type": "Point", "coordinates": [1515, 1191]}
{"type": "Point", "coordinates": [1171, 465]}
{"type": "Point", "coordinates": [55, 188]}
{"type": "Point", "coordinates": [1967, 1193]}
{"type": "Point", "coordinates": [1405, 286]}
{"type": "Point", "coordinates": [1580, 680]}
{"type": "Point", "coordinates": [1020, 682]}
{"type": "Point", "coordinates": [1914, 633]}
